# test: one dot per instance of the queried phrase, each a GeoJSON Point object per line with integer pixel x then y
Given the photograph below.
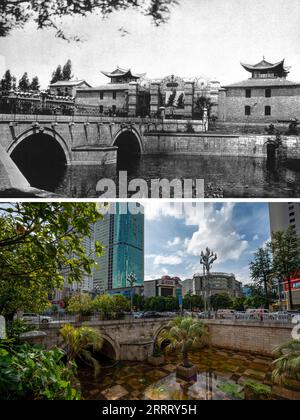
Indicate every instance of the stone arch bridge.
{"type": "Point", "coordinates": [123, 339]}
{"type": "Point", "coordinates": [90, 140]}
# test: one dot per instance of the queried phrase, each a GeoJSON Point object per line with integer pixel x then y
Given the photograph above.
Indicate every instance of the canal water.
{"type": "Point", "coordinates": [217, 371]}
{"type": "Point", "coordinates": [228, 177]}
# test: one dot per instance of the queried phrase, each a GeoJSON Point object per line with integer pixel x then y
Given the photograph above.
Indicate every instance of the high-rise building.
{"type": "Point", "coordinates": [284, 215]}
{"type": "Point", "coordinates": [122, 234]}
{"type": "Point", "coordinates": [86, 285]}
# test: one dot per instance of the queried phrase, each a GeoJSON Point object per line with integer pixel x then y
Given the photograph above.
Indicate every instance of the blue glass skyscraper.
{"type": "Point", "coordinates": [122, 233]}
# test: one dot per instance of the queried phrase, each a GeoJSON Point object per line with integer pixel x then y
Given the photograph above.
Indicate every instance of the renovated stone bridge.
{"type": "Point", "coordinates": [135, 339]}
{"type": "Point", "coordinates": [123, 339]}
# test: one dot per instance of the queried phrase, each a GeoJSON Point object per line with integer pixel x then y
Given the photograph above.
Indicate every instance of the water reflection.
{"type": "Point", "coordinates": [234, 177]}
{"type": "Point", "coordinates": [218, 371]}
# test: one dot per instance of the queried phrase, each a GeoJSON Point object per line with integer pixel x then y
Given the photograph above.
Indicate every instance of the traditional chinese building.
{"type": "Point", "coordinates": [267, 96]}
{"type": "Point", "coordinates": [67, 87]}
{"type": "Point", "coordinates": [123, 95]}
{"type": "Point", "coordinates": [180, 98]}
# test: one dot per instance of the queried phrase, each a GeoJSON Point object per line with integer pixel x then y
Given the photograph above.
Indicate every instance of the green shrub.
{"type": "Point", "coordinates": [28, 372]}
{"type": "Point", "coordinates": [255, 390]}
{"type": "Point", "coordinates": [232, 390]}
{"type": "Point", "coordinates": [17, 327]}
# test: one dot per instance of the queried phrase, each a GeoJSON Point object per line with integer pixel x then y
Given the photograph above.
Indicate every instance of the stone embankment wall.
{"type": "Point", "coordinates": [260, 338]}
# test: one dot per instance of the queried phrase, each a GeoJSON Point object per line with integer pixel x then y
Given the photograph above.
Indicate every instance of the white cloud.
{"type": "Point", "coordinates": [255, 237]}
{"type": "Point", "coordinates": [167, 260]}
{"type": "Point", "coordinates": [156, 209]}
{"type": "Point", "coordinates": [174, 242]}
{"type": "Point", "coordinates": [216, 230]}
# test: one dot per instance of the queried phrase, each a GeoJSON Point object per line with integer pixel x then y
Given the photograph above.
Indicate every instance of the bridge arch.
{"type": "Point", "coordinates": [111, 345]}
{"type": "Point", "coordinates": [129, 141]}
{"type": "Point", "coordinates": [31, 132]}
{"type": "Point", "coordinates": [270, 149]}
{"type": "Point", "coordinates": [42, 155]}
{"type": "Point", "coordinates": [158, 330]}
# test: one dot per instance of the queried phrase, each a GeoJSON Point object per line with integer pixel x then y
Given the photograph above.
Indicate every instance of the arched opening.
{"type": "Point", "coordinates": [42, 161]}
{"type": "Point", "coordinates": [271, 156]}
{"type": "Point", "coordinates": [129, 150]}
{"type": "Point", "coordinates": [271, 151]}
{"type": "Point", "coordinates": [107, 352]}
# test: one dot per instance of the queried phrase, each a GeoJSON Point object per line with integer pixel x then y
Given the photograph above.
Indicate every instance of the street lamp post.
{"type": "Point", "coordinates": [207, 259]}
{"type": "Point", "coordinates": [131, 278]}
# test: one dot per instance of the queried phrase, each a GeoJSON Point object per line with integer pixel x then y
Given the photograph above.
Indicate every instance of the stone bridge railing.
{"type": "Point", "coordinates": [131, 339]}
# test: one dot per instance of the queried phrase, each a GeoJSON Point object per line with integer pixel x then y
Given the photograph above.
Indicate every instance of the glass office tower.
{"type": "Point", "coordinates": [122, 233]}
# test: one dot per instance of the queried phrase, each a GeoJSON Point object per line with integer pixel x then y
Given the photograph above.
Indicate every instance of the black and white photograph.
{"type": "Point", "coordinates": [149, 204]}
{"type": "Point", "coordinates": [147, 91]}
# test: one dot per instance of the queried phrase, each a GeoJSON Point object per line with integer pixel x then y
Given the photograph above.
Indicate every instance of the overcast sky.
{"type": "Point", "coordinates": [203, 37]}
{"type": "Point", "coordinates": [174, 238]}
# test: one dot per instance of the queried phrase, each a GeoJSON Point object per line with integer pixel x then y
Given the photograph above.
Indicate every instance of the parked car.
{"type": "Point", "coordinates": [138, 315]}
{"type": "Point", "coordinates": [32, 318]}
{"type": "Point", "coordinates": [151, 314]}
{"type": "Point", "coordinates": [203, 315]}
{"type": "Point", "coordinates": [225, 313]}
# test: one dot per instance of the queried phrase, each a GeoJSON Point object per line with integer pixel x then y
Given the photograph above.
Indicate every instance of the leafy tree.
{"type": "Point", "coordinates": [35, 84]}
{"type": "Point", "coordinates": [24, 83]}
{"type": "Point", "coordinates": [155, 303]}
{"type": "Point", "coordinates": [138, 302]}
{"type": "Point", "coordinates": [104, 305]}
{"type": "Point", "coordinates": [171, 303]}
{"type": "Point", "coordinates": [257, 297]}
{"type": "Point", "coordinates": [48, 14]}
{"type": "Point", "coordinates": [201, 103]}
{"type": "Point", "coordinates": [180, 101]}
{"type": "Point", "coordinates": [79, 343]}
{"type": "Point", "coordinates": [7, 81]}
{"type": "Point", "coordinates": [285, 247]}
{"type": "Point", "coordinates": [192, 302]}
{"type": "Point", "coordinates": [23, 295]}
{"type": "Point", "coordinates": [221, 301]}
{"type": "Point", "coordinates": [41, 246]}
{"type": "Point", "coordinates": [67, 71]}
{"type": "Point", "coordinates": [239, 304]}
{"type": "Point", "coordinates": [81, 303]}
{"type": "Point", "coordinates": [261, 267]}
{"type": "Point", "coordinates": [57, 75]}
{"type": "Point", "coordinates": [183, 334]}
{"type": "Point", "coordinates": [120, 304]}
{"type": "Point", "coordinates": [171, 99]}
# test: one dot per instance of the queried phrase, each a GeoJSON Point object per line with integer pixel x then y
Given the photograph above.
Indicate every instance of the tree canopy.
{"type": "Point", "coordinates": [24, 83]}
{"type": "Point", "coordinates": [285, 247]}
{"type": "Point", "coordinates": [261, 267]}
{"type": "Point", "coordinates": [49, 13]}
{"type": "Point", "coordinates": [41, 246]}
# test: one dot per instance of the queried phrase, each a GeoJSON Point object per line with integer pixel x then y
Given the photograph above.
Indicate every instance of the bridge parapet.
{"type": "Point", "coordinates": [131, 339]}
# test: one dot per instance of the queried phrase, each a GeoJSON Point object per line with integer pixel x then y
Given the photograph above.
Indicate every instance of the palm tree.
{"type": "Point", "coordinates": [80, 342]}
{"type": "Point", "coordinates": [287, 365]}
{"type": "Point", "coordinates": [183, 334]}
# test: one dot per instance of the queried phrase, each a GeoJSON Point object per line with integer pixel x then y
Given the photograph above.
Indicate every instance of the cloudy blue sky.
{"type": "Point", "coordinates": [203, 37]}
{"type": "Point", "coordinates": [175, 238]}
